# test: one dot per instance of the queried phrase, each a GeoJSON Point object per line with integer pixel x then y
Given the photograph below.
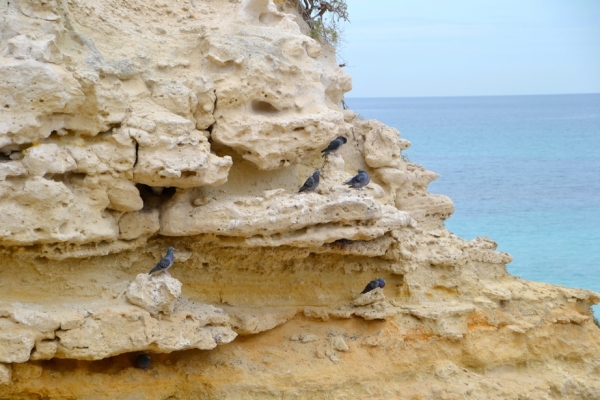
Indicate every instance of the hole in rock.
{"type": "Point", "coordinates": [269, 18]}
{"type": "Point", "coordinates": [153, 197]}
{"type": "Point", "coordinates": [188, 174]}
{"type": "Point", "coordinates": [67, 177]}
{"type": "Point", "coordinates": [263, 107]}
{"type": "Point", "coordinates": [137, 152]}
{"type": "Point", "coordinates": [56, 134]}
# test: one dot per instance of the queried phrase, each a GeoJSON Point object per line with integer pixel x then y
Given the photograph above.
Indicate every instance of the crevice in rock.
{"type": "Point", "coordinates": [154, 197]}
{"type": "Point", "coordinates": [211, 127]}
{"type": "Point", "coordinates": [263, 107]}
{"type": "Point", "coordinates": [67, 177]}
{"type": "Point", "coordinates": [137, 149]}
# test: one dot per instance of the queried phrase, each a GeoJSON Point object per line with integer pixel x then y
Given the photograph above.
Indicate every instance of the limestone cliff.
{"type": "Point", "coordinates": [129, 126]}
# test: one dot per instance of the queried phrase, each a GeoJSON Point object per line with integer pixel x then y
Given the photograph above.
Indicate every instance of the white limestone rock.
{"type": "Point", "coordinates": [338, 343]}
{"type": "Point", "coordinates": [154, 293]}
{"type": "Point", "coordinates": [123, 195]}
{"type": "Point", "coordinates": [5, 374]}
{"type": "Point", "coordinates": [117, 329]}
{"type": "Point", "coordinates": [12, 168]}
{"type": "Point", "coordinates": [30, 93]}
{"type": "Point", "coordinates": [175, 154]}
{"type": "Point", "coordinates": [374, 296]}
{"type": "Point", "coordinates": [47, 159]}
{"type": "Point", "coordinates": [15, 343]}
{"type": "Point", "coordinates": [383, 146]}
{"type": "Point", "coordinates": [38, 47]}
{"type": "Point", "coordinates": [295, 110]}
{"type": "Point", "coordinates": [137, 224]}
{"type": "Point", "coordinates": [44, 350]}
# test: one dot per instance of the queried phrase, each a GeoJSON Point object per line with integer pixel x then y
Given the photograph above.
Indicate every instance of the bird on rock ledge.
{"type": "Point", "coordinates": [165, 263]}
{"type": "Point", "coordinates": [374, 284]}
{"type": "Point", "coordinates": [311, 183]}
{"type": "Point", "coordinates": [142, 361]}
{"type": "Point", "coordinates": [360, 180]}
{"type": "Point", "coordinates": [334, 145]}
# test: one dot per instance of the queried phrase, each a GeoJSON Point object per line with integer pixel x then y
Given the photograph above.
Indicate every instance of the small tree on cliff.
{"type": "Point", "coordinates": [323, 18]}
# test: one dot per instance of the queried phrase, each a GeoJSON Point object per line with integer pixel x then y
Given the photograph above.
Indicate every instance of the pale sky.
{"type": "Point", "coordinates": [405, 48]}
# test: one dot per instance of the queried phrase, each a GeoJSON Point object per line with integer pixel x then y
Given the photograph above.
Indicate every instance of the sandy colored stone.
{"type": "Point", "coordinates": [128, 127]}
{"type": "Point", "coordinates": [174, 153]}
{"type": "Point", "coordinates": [370, 297]}
{"type": "Point", "coordinates": [332, 356]}
{"type": "Point", "coordinates": [44, 350]}
{"type": "Point", "coordinates": [303, 337]}
{"type": "Point", "coordinates": [47, 159]}
{"type": "Point", "coordinates": [5, 374]}
{"type": "Point", "coordinates": [154, 293]}
{"type": "Point", "coordinates": [123, 195]}
{"type": "Point", "coordinates": [141, 223]}
{"type": "Point", "coordinates": [383, 146]}
{"type": "Point", "coordinates": [251, 322]}
{"type": "Point", "coordinates": [26, 372]}
{"type": "Point", "coordinates": [16, 344]}
{"type": "Point", "coordinates": [123, 328]}
{"type": "Point", "coordinates": [338, 343]}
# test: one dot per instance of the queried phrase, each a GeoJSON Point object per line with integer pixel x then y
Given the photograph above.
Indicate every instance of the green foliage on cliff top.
{"type": "Point", "coordinates": [323, 18]}
{"type": "Point", "coordinates": [594, 318]}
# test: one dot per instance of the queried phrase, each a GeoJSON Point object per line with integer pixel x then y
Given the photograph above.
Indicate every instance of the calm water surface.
{"type": "Point", "coordinates": [522, 170]}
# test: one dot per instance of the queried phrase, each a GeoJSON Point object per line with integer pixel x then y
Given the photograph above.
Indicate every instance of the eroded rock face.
{"type": "Point", "coordinates": [154, 294]}
{"type": "Point", "coordinates": [108, 328]}
{"type": "Point", "coordinates": [129, 127]}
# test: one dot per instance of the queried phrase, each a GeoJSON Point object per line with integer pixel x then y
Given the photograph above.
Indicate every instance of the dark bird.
{"type": "Point", "coordinates": [374, 284]}
{"type": "Point", "coordinates": [360, 180]}
{"type": "Point", "coordinates": [165, 263]}
{"type": "Point", "coordinates": [311, 183]}
{"type": "Point", "coordinates": [334, 145]}
{"type": "Point", "coordinates": [142, 361]}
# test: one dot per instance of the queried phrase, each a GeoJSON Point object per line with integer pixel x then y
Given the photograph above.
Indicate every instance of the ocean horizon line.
{"type": "Point", "coordinates": [474, 96]}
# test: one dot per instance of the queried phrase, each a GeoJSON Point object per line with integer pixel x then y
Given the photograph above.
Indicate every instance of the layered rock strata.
{"type": "Point", "coordinates": [127, 127]}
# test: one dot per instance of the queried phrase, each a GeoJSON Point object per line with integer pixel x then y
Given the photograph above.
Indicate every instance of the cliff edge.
{"type": "Point", "coordinates": [127, 127]}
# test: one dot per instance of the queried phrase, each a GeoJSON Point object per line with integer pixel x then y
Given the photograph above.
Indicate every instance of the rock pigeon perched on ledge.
{"type": "Point", "coordinates": [142, 361]}
{"type": "Point", "coordinates": [334, 145]}
{"type": "Point", "coordinates": [360, 180]}
{"type": "Point", "coordinates": [311, 183]}
{"type": "Point", "coordinates": [165, 263]}
{"type": "Point", "coordinates": [374, 284]}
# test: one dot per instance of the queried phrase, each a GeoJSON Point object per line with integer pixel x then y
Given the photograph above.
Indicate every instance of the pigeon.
{"type": "Point", "coordinates": [142, 361]}
{"type": "Point", "coordinates": [374, 284]}
{"type": "Point", "coordinates": [334, 145]}
{"type": "Point", "coordinates": [360, 180]}
{"type": "Point", "coordinates": [311, 183]}
{"type": "Point", "coordinates": [165, 263]}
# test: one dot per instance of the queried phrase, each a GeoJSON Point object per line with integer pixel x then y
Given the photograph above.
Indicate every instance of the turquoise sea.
{"type": "Point", "coordinates": [522, 170]}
